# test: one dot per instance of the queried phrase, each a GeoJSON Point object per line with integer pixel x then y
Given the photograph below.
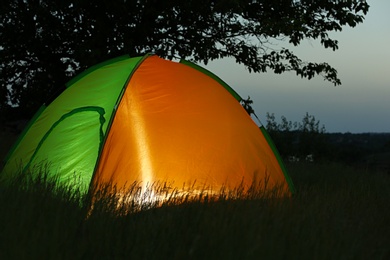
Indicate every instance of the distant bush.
{"type": "Point", "coordinates": [298, 139]}
{"type": "Point", "coordinates": [308, 141]}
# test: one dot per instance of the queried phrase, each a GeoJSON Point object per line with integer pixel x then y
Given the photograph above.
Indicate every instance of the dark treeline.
{"type": "Point", "coordinates": [307, 140]}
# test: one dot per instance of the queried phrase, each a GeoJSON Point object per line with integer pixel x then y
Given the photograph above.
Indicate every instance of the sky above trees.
{"type": "Point", "coordinates": [56, 41]}
{"type": "Point", "coordinates": [360, 104]}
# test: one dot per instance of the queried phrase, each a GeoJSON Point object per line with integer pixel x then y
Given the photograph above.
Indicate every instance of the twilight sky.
{"type": "Point", "coordinates": [360, 104]}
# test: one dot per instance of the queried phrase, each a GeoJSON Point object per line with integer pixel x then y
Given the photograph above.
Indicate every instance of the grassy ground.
{"type": "Point", "coordinates": [337, 213]}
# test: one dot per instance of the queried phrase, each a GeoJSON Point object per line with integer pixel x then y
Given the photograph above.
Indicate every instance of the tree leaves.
{"type": "Point", "coordinates": [44, 43]}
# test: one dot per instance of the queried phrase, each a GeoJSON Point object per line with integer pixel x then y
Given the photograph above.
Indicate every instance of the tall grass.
{"type": "Point", "coordinates": [337, 213]}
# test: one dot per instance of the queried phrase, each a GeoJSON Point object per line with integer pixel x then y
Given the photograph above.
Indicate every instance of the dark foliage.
{"type": "Point", "coordinates": [299, 139]}
{"type": "Point", "coordinates": [45, 43]}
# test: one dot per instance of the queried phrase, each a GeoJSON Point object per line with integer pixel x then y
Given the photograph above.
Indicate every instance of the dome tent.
{"type": "Point", "coordinates": [147, 120]}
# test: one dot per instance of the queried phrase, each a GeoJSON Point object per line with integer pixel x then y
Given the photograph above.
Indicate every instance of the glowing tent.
{"type": "Point", "coordinates": [147, 120]}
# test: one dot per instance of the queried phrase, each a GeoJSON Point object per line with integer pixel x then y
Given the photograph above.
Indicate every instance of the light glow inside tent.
{"type": "Point", "coordinates": [143, 150]}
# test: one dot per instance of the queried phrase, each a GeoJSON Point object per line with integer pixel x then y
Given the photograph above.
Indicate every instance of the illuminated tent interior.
{"type": "Point", "coordinates": [147, 120]}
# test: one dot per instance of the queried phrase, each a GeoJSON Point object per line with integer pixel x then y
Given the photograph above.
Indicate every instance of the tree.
{"type": "Point", "coordinates": [283, 134]}
{"type": "Point", "coordinates": [44, 43]}
{"type": "Point", "coordinates": [312, 139]}
{"type": "Point", "coordinates": [298, 138]}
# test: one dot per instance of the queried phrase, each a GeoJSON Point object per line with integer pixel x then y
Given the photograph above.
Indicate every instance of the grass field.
{"type": "Point", "coordinates": [338, 213]}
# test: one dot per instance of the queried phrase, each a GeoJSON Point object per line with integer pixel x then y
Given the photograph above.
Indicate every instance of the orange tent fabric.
{"type": "Point", "coordinates": [177, 125]}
